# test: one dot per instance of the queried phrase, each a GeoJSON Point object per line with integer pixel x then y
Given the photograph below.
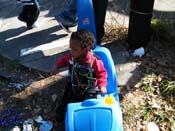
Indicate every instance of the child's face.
{"type": "Point", "coordinates": [75, 49]}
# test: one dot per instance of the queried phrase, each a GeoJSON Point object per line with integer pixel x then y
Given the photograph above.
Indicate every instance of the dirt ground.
{"type": "Point", "coordinates": [29, 100]}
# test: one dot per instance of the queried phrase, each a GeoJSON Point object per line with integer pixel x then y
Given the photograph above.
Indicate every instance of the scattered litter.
{"type": "Point", "coordinates": [46, 126]}
{"type": "Point", "coordinates": [16, 85]}
{"type": "Point", "coordinates": [19, 85]}
{"type": "Point", "coordinates": [10, 118]}
{"type": "Point", "coordinates": [152, 127]}
{"type": "Point", "coordinates": [27, 125]}
{"type": "Point", "coordinates": [16, 128]}
{"type": "Point", "coordinates": [39, 119]}
{"type": "Point", "coordinates": [139, 52]}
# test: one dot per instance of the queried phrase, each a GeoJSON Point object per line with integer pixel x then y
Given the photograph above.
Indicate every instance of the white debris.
{"type": "Point", "coordinates": [20, 85]}
{"type": "Point", "coordinates": [151, 126]}
{"type": "Point", "coordinates": [139, 52]}
{"type": "Point", "coordinates": [27, 125]}
{"type": "Point", "coordinates": [39, 119]}
{"type": "Point", "coordinates": [16, 128]}
{"type": "Point", "coordinates": [16, 85]}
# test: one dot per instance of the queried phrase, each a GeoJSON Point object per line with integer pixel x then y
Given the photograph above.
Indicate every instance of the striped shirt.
{"type": "Point", "coordinates": [27, 2]}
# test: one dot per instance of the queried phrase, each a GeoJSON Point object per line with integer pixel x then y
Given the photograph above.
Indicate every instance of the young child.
{"type": "Point", "coordinates": [30, 12]}
{"type": "Point", "coordinates": [85, 70]}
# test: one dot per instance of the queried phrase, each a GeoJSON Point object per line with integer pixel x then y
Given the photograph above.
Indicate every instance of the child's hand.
{"type": "Point", "coordinates": [54, 70]}
{"type": "Point", "coordinates": [103, 90]}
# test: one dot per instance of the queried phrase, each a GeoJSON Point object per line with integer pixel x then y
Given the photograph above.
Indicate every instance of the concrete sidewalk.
{"type": "Point", "coordinates": [40, 47]}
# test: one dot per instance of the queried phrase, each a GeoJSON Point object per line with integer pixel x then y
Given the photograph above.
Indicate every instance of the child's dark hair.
{"type": "Point", "coordinates": [85, 37]}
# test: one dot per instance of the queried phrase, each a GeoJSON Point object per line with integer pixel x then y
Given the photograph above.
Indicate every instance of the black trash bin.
{"type": "Point", "coordinates": [139, 30]}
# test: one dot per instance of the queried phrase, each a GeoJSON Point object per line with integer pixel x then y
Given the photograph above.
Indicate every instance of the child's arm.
{"type": "Point", "coordinates": [60, 63]}
{"type": "Point", "coordinates": [100, 74]}
{"type": "Point", "coordinates": [55, 69]}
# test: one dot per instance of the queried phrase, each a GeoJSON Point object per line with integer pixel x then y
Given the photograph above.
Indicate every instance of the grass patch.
{"type": "Point", "coordinates": [167, 88]}
{"type": "Point", "coordinates": [9, 64]}
{"type": "Point", "coordinates": [3, 82]}
{"type": "Point", "coordinates": [159, 105]}
{"type": "Point", "coordinates": [163, 29]}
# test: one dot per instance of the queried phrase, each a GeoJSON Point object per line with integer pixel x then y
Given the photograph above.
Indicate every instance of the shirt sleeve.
{"type": "Point", "coordinates": [100, 72]}
{"type": "Point", "coordinates": [63, 61]}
